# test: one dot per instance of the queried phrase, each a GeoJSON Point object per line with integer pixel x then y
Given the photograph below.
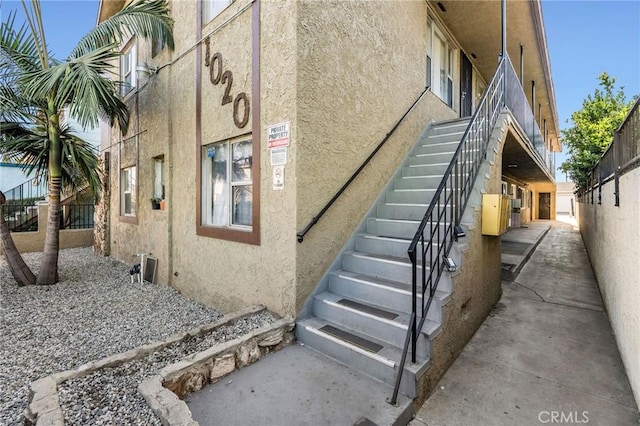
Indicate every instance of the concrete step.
{"type": "Point", "coordinates": [448, 135]}
{"type": "Point", "coordinates": [390, 246]}
{"type": "Point", "coordinates": [453, 126]}
{"type": "Point", "coordinates": [394, 228]}
{"type": "Point", "coordinates": [379, 265]}
{"type": "Point", "coordinates": [437, 147]}
{"type": "Point", "coordinates": [430, 158]}
{"type": "Point", "coordinates": [411, 195]}
{"type": "Point", "coordinates": [390, 294]}
{"type": "Point", "coordinates": [402, 211]}
{"type": "Point", "coordinates": [425, 169]}
{"type": "Point", "coordinates": [382, 364]}
{"type": "Point", "coordinates": [385, 324]}
{"type": "Point", "coordinates": [418, 182]}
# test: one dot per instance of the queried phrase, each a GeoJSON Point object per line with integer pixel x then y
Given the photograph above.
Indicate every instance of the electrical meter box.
{"type": "Point", "coordinates": [496, 209]}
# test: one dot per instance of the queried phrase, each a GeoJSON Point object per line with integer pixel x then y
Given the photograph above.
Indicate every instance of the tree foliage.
{"type": "Point", "coordinates": [36, 90]}
{"type": "Point", "coordinates": [593, 128]}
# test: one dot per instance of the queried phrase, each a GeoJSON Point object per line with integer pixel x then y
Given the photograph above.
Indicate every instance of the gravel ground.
{"type": "Point", "coordinates": [110, 396]}
{"type": "Point", "coordinates": [92, 313]}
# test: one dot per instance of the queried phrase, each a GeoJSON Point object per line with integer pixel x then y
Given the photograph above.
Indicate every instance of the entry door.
{"type": "Point", "coordinates": [544, 205]}
{"type": "Point", "coordinates": [466, 96]}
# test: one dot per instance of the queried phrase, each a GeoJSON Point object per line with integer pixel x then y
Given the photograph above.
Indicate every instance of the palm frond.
{"type": "Point", "coordinates": [18, 49]}
{"type": "Point", "coordinates": [81, 85]}
{"type": "Point", "coordinates": [146, 18]}
{"type": "Point", "coordinates": [28, 146]}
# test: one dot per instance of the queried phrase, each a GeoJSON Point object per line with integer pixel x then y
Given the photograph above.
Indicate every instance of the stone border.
{"type": "Point", "coordinates": [44, 407]}
{"type": "Point", "coordinates": [164, 392]}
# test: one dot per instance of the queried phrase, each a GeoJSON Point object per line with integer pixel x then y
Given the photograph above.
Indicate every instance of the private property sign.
{"type": "Point", "coordinates": [278, 135]}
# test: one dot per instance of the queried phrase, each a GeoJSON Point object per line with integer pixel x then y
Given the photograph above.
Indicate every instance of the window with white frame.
{"type": "Point", "coordinates": [158, 178]}
{"type": "Point", "coordinates": [441, 58]}
{"type": "Point", "coordinates": [128, 191]}
{"type": "Point", "coordinates": [128, 69]}
{"type": "Point", "coordinates": [211, 8]}
{"type": "Point", "coordinates": [227, 184]}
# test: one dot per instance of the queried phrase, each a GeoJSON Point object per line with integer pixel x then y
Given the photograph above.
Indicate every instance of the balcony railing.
{"type": "Point", "coordinates": [517, 102]}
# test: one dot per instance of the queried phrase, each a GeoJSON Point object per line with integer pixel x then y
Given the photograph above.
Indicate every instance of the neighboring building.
{"type": "Point", "coordinates": [11, 174]}
{"type": "Point", "coordinates": [325, 82]}
{"type": "Point", "coordinates": [565, 199]}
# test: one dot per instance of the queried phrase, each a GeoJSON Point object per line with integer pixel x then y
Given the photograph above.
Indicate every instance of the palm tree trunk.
{"type": "Point", "coordinates": [18, 268]}
{"type": "Point", "coordinates": [49, 266]}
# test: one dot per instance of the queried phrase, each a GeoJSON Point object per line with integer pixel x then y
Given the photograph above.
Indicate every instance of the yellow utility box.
{"type": "Point", "coordinates": [496, 209]}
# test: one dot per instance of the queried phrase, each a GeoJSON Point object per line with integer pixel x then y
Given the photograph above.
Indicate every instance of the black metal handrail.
{"type": "Point", "coordinates": [333, 199]}
{"type": "Point", "coordinates": [446, 208]}
{"type": "Point", "coordinates": [32, 190]}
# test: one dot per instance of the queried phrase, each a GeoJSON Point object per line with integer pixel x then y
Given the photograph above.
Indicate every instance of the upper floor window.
{"type": "Point", "coordinates": [211, 8]}
{"type": "Point", "coordinates": [128, 69]}
{"type": "Point", "coordinates": [442, 62]}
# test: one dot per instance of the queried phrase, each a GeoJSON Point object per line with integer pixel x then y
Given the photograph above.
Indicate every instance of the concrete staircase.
{"type": "Point", "coordinates": [359, 313]}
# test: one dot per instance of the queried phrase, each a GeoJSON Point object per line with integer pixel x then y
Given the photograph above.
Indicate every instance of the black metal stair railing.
{"type": "Point", "coordinates": [300, 235]}
{"type": "Point", "coordinates": [436, 234]}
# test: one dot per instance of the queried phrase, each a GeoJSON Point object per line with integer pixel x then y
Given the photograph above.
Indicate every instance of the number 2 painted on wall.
{"type": "Point", "coordinates": [218, 76]}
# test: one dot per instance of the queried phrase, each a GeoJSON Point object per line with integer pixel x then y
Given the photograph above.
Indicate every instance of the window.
{"type": "Point", "coordinates": [128, 191]}
{"type": "Point", "coordinates": [158, 177]}
{"type": "Point", "coordinates": [128, 69]}
{"type": "Point", "coordinates": [442, 60]}
{"type": "Point", "coordinates": [211, 8]}
{"type": "Point", "coordinates": [227, 184]}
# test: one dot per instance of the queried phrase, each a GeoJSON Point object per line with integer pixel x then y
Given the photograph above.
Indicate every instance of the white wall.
{"type": "Point", "coordinates": [11, 176]}
{"type": "Point", "coordinates": [612, 238]}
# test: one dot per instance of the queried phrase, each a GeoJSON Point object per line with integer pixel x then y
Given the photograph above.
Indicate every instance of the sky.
{"type": "Point", "coordinates": [584, 38]}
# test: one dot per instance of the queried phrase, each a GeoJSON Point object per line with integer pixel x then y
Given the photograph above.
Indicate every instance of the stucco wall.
{"type": "Point", "coordinates": [612, 238]}
{"type": "Point", "coordinates": [356, 77]}
{"type": "Point", "coordinates": [218, 272]}
{"type": "Point", "coordinates": [34, 241]}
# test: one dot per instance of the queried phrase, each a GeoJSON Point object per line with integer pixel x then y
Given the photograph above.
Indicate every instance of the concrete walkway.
{"type": "Point", "coordinates": [545, 355]}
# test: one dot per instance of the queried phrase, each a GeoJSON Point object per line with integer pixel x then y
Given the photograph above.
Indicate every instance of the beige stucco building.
{"type": "Point", "coordinates": [266, 108]}
{"type": "Point", "coordinates": [339, 74]}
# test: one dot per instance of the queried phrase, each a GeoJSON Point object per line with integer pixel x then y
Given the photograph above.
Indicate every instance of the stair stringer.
{"type": "Point", "coordinates": [465, 252]}
{"type": "Point", "coordinates": [494, 155]}
{"type": "Point", "coordinates": [307, 308]}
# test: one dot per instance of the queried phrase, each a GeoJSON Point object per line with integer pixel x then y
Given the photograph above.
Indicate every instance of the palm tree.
{"type": "Point", "coordinates": [34, 90]}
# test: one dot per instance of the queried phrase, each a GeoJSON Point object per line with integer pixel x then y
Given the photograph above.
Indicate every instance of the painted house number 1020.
{"type": "Point", "coordinates": [218, 76]}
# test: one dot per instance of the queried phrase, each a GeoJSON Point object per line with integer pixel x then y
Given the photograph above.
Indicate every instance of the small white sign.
{"type": "Point", "coordinates": [279, 156]}
{"type": "Point", "coordinates": [278, 178]}
{"type": "Point", "coordinates": [278, 135]}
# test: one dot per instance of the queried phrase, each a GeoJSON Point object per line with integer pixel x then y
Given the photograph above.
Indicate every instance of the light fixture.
{"type": "Point", "coordinates": [459, 232]}
{"type": "Point", "coordinates": [441, 7]}
{"type": "Point", "coordinates": [512, 166]}
{"type": "Point", "coordinates": [144, 71]}
{"type": "Point", "coordinates": [450, 264]}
